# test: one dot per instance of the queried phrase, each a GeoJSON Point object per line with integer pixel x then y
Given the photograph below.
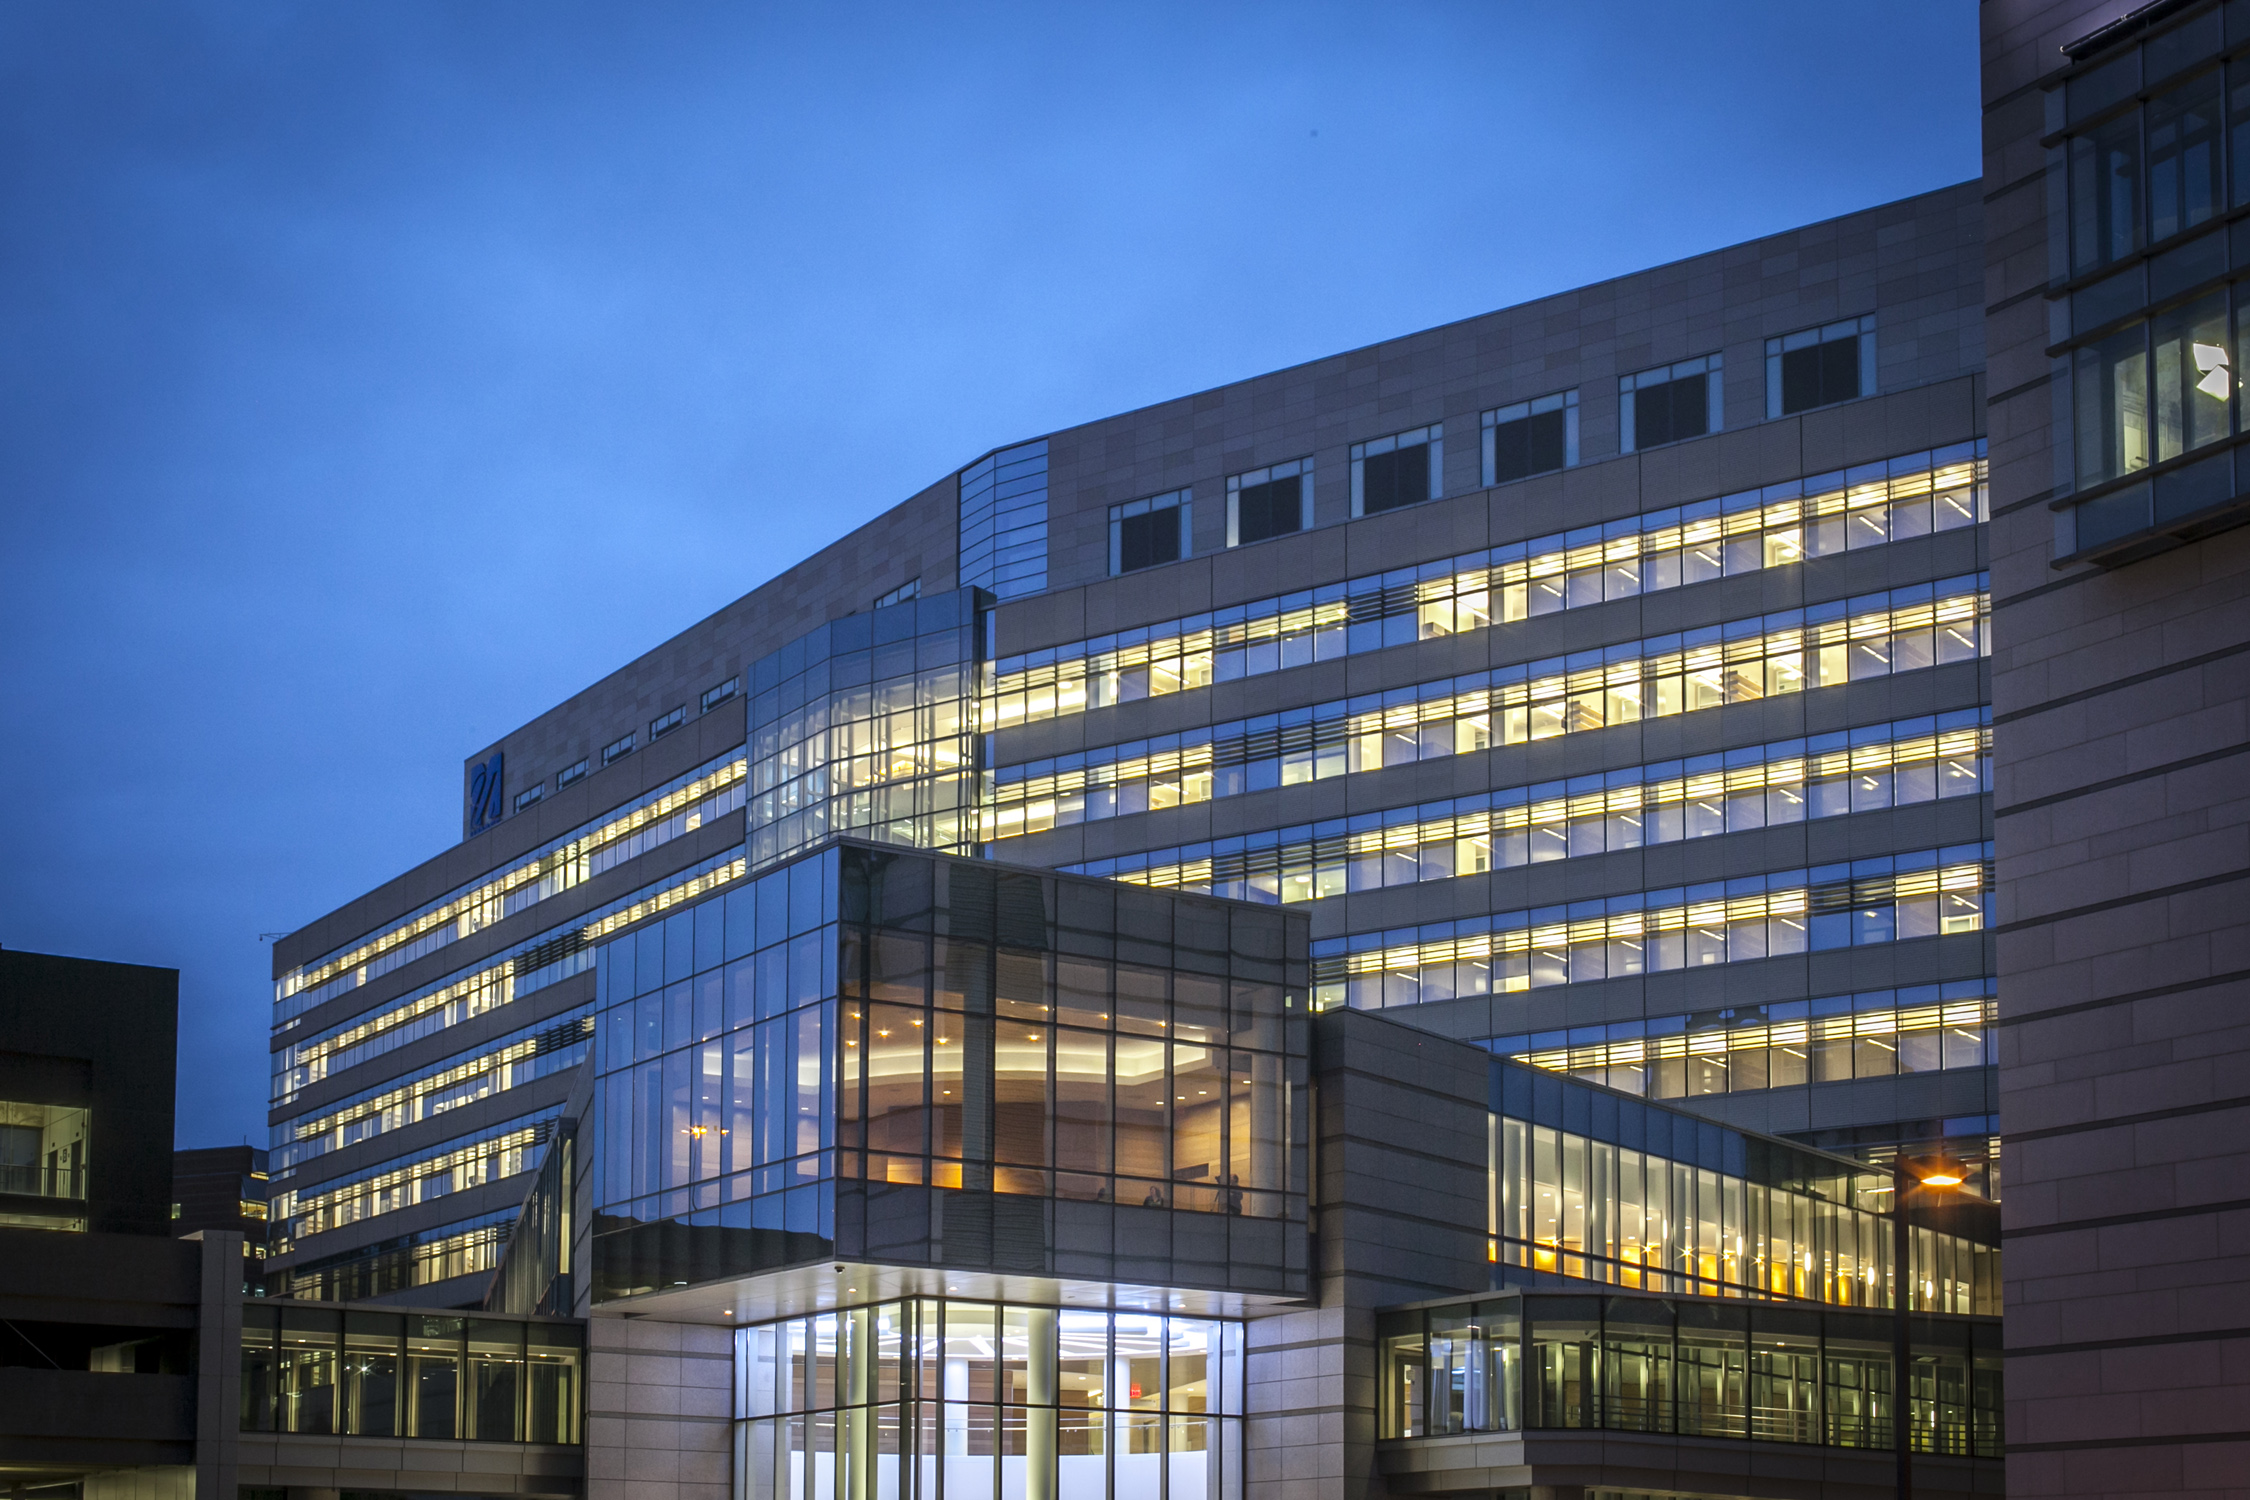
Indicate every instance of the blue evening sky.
{"type": "Point", "coordinates": [373, 376]}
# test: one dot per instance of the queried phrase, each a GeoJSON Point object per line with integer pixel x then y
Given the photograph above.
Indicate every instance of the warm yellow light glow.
{"type": "Point", "coordinates": [1943, 1178]}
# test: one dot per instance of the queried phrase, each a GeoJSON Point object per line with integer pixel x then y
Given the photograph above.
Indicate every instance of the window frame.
{"type": "Point", "coordinates": [1432, 434]}
{"type": "Point", "coordinates": [535, 793]}
{"type": "Point", "coordinates": [617, 749]}
{"type": "Point", "coordinates": [664, 723]}
{"type": "Point", "coordinates": [1182, 500]}
{"type": "Point", "coordinates": [911, 589]}
{"type": "Point", "coordinates": [1861, 328]}
{"type": "Point", "coordinates": [1489, 423]}
{"type": "Point", "coordinates": [569, 774]}
{"type": "Point", "coordinates": [1712, 366]}
{"type": "Point", "coordinates": [720, 694]}
{"type": "Point", "coordinates": [1300, 468]}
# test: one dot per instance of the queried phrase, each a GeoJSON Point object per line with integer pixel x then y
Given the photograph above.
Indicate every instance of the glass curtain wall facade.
{"type": "Point", "coordinates": [2148, 181]}
{"type": "Point", "coordinates": [947, 1399]}
{"type": "Point", "coordinates": [1699, 1369]}
{"type": "Point", "coordinates": [865, 1015]}
{"type": "Point", "coordinates": [1567, 1204]}
{"type": "Point", "coordinates": [1594, 1185]}
{"type": "Point", "coordinates": [367, 1372]}
{"type": "Point", "coordinates": [866, 727]}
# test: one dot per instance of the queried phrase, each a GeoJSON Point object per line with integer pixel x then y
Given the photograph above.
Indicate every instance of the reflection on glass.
{"type": "Point", "coordinates": [2193, 376]}
{"type": "Point", "coordinates": [371, 1362]}
{"type": "Point", "coordinates": [307, 1370]}
{"type": "Point", "coordinates": [319, 1369]}
{"type": "Point", "coordinates": [2105, 171]}
{"type": "Point", "coordinates": [1731, 1370]}
{"type": "Point", "coordinates": [433, 1376]}
{"type": "Point", "coordinates": [552, 1360]}
{"type": "Point", "coordinates": [495, 1379]}
{"type": "Point", "coordinates": [2184, 185]}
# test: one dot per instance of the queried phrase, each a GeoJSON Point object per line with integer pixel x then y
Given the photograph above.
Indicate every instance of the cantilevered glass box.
{"type": "Point", "coordinates": [886, 1058]}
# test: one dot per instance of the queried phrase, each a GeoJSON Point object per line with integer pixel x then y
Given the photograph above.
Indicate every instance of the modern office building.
{"type": "Point", "coordinates": [2117, 184]}
{"type": "Point", "coordinates": [1093, 977]}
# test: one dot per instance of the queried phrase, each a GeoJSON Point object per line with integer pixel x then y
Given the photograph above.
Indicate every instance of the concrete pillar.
{"type": "Point", "coordinates": [218, 1365]}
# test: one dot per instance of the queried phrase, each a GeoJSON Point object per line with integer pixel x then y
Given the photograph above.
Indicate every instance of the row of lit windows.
{"type": "Point", "coordinates": [1568, 1204]}
{"type": "Point", "coordinates": [1330, 859]}
{"type": "Point", "coordinates": [466, 1247]}
{"type": "Point", "coordinates": [675, 808]}
{"type": "Point", "coordinates": [552, 1046]}
{"type": "Point", "coordinates": [1775, 1051]}
{"type": "Point", "coordinates": [1926, 895]}
{"type": "Point", "coordinates": [450, 1167]}
{"type": "Point", "coordinates": [528, 965]}
{"type": "Point", "coordinates": [1783, 524]}
{"type": "Point", "coordinates": [1546, 699]}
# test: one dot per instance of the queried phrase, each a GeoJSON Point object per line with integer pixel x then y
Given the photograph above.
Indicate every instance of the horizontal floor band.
{"type": "Point", "coordinates": [2188, 665]}
{"type": "Point", "coordinates": [2067, 581]}
{"type": "Point", "coordinates": [2081, 1127]}
{"type": "Point", "coordinates": [2161, 893]}
{"type": "Point", "coordinates": [657, 1416]}
{"type": "Point", "coordinates": [2117, 781]}
{"type": "Point", "coordinates": [2130, 997]}
{"type": "Point", "coordinates": [2086, 1445]}
{"type": "Point", "coordinates": [2117, 1221]}
{"type": "Point", "coordinates": [2147, 1341]}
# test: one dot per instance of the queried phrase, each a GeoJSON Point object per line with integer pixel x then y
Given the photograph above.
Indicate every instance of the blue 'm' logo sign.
{"type": "Point", "coordinates": [485, 806]}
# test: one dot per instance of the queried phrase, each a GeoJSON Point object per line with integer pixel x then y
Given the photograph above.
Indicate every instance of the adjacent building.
{"type": "Point", "coordinates": [224, 1187]}
{"type": "Point", "coordinates": [2117, 200]}
{"type": "Point", "coordinates": [113, 1347]}
{"type": "Point", "coordinates": [1097, 977]}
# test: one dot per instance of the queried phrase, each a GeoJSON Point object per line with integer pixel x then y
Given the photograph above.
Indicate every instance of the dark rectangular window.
{"type": "Point", "coordinates": [524, 799]}
{"type": "Point", "coordinates": [1669, 404]}
{"type": "Point", "coordinates": [2184, 185]}
{"type": "Point", "coordinates": [664, 725]}
{"type": "Point", "coordinates": [1269, 502]}
{"type": "Point", "coordinates": [2105, 194]}
{"type": "Point", "coordinates": [570, 774]}
{"type": "Point", "coordinates": [1820, 366]}
{"type": "Point", "coordinates": [617, 749]}
{"type": "Point", "coordinates": [1531, 437]}
{"type": "Point", "coordinates": [1147, 533]}
{"type": "Point", "coordinates": [905, 591]}
{"type": "Point", "coordinates": [1405, 468]}
{"type": "Point", "coordinates": [721, 693]}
